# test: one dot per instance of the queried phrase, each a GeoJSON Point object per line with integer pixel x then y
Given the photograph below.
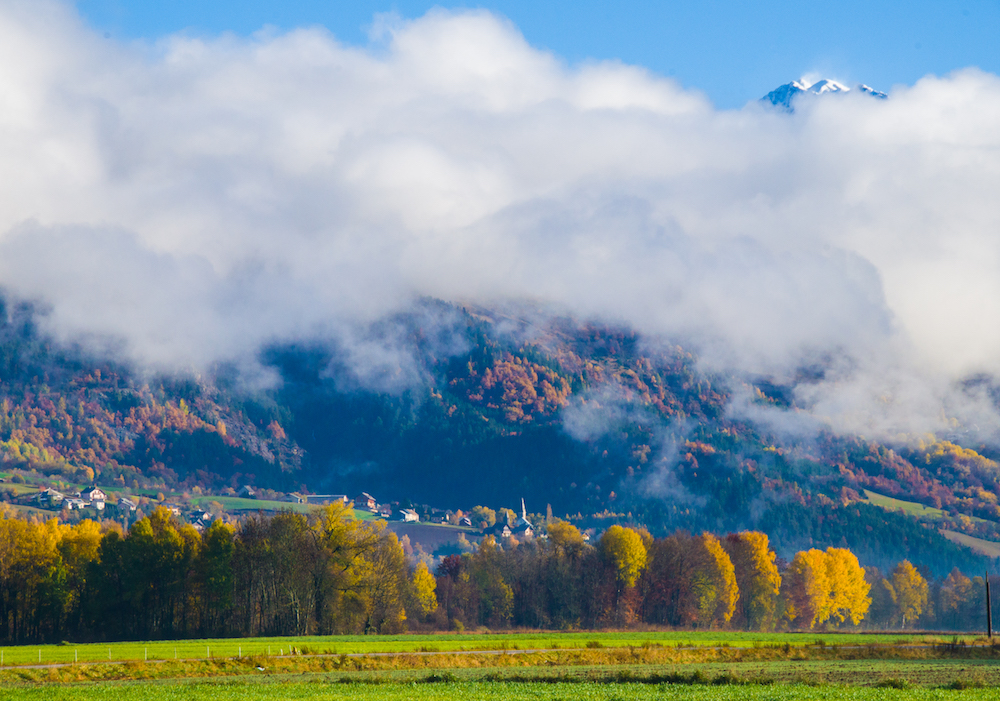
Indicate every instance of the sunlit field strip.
{"type": "Point", "coordinates": [247, 647]}
{"type": "Point", "coordinates": [486, 691]}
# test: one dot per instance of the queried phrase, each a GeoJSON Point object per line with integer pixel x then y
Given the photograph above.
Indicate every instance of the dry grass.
{"type": "Point", "coordinates": [782, 662]}
{"type": "Point", "coordinates": [984, 547]}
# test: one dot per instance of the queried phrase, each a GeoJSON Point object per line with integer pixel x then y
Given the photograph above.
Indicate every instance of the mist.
{"type": "Point", "coordinates": [191, 200]}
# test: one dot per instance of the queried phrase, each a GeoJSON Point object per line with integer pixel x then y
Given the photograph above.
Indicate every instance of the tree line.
{"type": "Point", "coordinates": [327, 573]}
{"type": "Point", "coordinates": [283, 575]}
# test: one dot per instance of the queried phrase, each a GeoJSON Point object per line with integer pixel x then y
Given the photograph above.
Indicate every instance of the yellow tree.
{"type": "Point", "coordinates": [807, 589]}
{"type": "Point", "coordinates": [625, 554]}
{"type": "Point", "coordinates": [355, 552]}
{"type": "Point", "coordinates": [81, 544]}
{"type": "Point", "coordinates": [424, 585]}
{"type": "Point", "coordinates": [826, 585]}
{"type": "Point", "coordinates": [345, 539]}
{"type": "Point", "coordinates": [383, 582]}
{"type": "Point", "coordinates": [757, 578]}
{"type": "Point", "coordinates": [909, 591]}
{"type": "Point", "coordinates": [564, 535]}
{"type": "Point", "coordinates": [714, 583]}
{"type": "Point", "coordinates": [38, 585]}
{"type": "Point", "coordinates": [849, 599]}
{"type": "Point", "coordinates": [80, 548]}
{"type": "Point", "coordinates": [622, 548]}
{"type": "Point", "coordinates": [483, 515]}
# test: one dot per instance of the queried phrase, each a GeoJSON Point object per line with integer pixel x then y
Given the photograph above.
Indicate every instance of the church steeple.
{"type": "Point", "coordinates": [524, 516]}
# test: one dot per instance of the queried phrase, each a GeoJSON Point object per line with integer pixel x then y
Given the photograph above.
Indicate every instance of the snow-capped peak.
{"type": "Point", "coordinates": [785, 94]}
{"type": "Point", "coordinates": [824, 85]}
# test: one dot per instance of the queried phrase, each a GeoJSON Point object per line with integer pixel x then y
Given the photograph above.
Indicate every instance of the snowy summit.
{"type": "Point", "coordinates": [784, 95]}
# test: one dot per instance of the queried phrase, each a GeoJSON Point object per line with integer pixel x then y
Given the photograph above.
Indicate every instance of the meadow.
{"type": "Point", "coordinates": [985, 547]}
{"type": "Point", "coordinates": [911, 508]}
{"type": "Point", "coordinates": [242, 504]}
{"type": "Point", "coordinates": [319, 690]}
{"type": "Point", "coordinates": [69, 652]}
{"type": "Point", "coordinates": [536, 665]}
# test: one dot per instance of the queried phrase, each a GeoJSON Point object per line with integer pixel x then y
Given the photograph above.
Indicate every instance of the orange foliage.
{"type": "Point", "coordinates": [72, 430]}
{"type": "Point", "coordinates": [518, 387]}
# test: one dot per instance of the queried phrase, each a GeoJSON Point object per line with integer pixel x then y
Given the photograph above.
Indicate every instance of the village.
{"type": "Point", "coordinates": [430, 531]}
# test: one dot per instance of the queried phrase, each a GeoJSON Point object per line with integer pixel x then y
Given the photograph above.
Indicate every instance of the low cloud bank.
{"type": "Point", "coordinates": [198, 198]}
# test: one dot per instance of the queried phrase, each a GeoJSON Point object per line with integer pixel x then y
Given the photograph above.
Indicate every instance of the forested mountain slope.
{"type": "Point", "coordinates": [470, 406]}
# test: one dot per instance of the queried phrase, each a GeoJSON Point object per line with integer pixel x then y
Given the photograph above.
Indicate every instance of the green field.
{"type": "Point", "coordinates": [20, 489]}
{"type": "Point", "coordinates": [487, 691]}
{"type": "Point", "coordinates": [576, 665]}
{"type": "Point", "coordinates": [912, 508]}
{"type": "Point", "coordinates": [359, 644]}
{"type": "Point", "coordinates": [238, 504]}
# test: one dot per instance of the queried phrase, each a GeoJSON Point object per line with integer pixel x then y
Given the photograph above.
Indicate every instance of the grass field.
{"type": "Point", "coordinates": [320, 690]}
{"type": "Point", "coordinates": [337, 645]}
{"type": "Point", "coordinates": [579, 665]}
{"type": "Point", "coordinates": [985, 547]}
{"type": "Point", "coordinates": [911, 508]}
{"type": "Point", "coordinates": [20, 489]}
{"type": "Point", "coordinates": [238, 504]}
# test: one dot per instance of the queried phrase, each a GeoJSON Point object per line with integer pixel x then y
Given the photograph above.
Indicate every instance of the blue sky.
{"type": "Point", "coordinates": [733, 51]}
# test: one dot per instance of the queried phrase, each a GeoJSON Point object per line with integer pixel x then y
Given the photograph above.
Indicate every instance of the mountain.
{"type": "Point", "coordinates": [786, 94]}
{"type": "Point", "coordinates": [497, 405]}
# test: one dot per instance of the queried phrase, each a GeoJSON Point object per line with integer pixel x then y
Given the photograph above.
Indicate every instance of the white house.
{"type": "Point", "coordinates": [94, 494]}
{"type": "Point", "coordinates": [94, 497]}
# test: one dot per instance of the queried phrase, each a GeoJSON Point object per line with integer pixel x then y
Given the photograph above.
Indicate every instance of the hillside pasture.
{"type": "Point", "coordinates": [985, 547]}
{"type": "Point", "coordinates": [241, 504]}
{"type": "Point", "coordinates": [912, 508]}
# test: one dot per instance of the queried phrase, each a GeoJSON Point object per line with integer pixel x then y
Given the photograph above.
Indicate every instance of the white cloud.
{"type": "Point", "coordinates": [198, 197]}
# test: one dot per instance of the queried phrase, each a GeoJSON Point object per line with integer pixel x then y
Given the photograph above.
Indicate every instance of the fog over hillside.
{"type": "Point", "coordinates": [187, 201]}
